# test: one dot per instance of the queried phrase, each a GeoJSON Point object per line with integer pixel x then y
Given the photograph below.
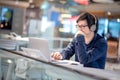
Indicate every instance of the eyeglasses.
{"type": "Point", "coordinates": [81, 26]}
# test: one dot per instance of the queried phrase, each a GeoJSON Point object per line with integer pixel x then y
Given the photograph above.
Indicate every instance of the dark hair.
{"type": "Point", "coordinates": [91, 19]}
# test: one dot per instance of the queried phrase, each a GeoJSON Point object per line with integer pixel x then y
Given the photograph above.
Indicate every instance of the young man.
{"type": "Point", "coordinates": [89, 47]}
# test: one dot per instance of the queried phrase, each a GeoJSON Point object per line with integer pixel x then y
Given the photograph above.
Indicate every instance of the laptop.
{"type": "Point", "coordinates": [40, 44]}
{"type": "Point", "coordinates": [39, 48]}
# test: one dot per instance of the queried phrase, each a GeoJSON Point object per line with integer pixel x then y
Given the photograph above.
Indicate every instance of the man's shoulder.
{"type": "Point", "coordinates": [101, 39]}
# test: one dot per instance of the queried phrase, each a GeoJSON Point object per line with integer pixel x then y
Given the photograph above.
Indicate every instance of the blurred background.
{"type": "Point", "coordinates": [56, 20]}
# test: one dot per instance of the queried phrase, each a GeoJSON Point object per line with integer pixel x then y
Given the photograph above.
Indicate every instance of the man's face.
{"type": "Point", "coordinates": [83, 27]}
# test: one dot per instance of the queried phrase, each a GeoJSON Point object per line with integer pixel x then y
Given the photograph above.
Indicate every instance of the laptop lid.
{"type": "Point", "coordinates": [40, 44]}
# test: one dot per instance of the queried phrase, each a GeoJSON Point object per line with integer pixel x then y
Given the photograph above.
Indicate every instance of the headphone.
{"type": "Point", "coordinates": [93, 27]}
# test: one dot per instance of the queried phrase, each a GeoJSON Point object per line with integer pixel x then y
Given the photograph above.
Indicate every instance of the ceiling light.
{"type": "Point", "coordinates": [104, 1]}
{"type": "Point", "coordinates": [66, 15]}
{"type": "Point", "coordinates": [30, 1]}
{"type": "Point", "coordinates": [16, 2]}
{"type": "Point", "coordinates": [108, 13]}
{"type": "Point", "coordinates": [51, 0]}
{"type": "Point", "coordinates": [63, 1]}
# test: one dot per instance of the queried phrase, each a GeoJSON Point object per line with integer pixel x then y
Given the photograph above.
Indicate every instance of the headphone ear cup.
{"type": "Point", "coordinates": [93, 28]}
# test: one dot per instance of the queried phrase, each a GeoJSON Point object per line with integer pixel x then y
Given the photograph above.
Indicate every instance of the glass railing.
{"type": "Point", "coordinates": [17, 66]}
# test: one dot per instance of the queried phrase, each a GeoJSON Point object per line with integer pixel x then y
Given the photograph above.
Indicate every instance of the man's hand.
{"type": "Point", "coordinates": [79, 32]}
{"type": "Point", "coordinates": [56, 56]}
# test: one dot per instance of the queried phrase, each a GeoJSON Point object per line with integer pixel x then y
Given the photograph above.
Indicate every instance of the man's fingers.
{"type": "Point", "coordinates": [56, 55]}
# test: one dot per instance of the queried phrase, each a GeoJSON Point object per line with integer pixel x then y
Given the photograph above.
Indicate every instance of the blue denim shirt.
{"type": "Point", "coordinates": [90, 55]}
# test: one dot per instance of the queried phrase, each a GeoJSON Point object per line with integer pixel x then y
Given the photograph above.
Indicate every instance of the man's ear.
{"type": "Point", "coordinates": [93, 28]}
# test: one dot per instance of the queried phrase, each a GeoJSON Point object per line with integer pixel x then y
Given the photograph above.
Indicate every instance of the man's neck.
{"type": "Point", "coordinates": [89, 37]}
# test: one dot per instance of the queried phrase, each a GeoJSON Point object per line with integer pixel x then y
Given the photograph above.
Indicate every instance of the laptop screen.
{"type": "Point", "coordinates": [40, 44]}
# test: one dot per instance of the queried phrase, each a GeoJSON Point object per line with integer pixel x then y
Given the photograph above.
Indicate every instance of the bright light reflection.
{"type": "Point", "coordinates": [9, 61]}
{"type": "Point", "coordinates": [118, 20]}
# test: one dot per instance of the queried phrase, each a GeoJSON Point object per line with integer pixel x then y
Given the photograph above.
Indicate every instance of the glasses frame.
{"type": "Point", "coordinates": [81, 26]}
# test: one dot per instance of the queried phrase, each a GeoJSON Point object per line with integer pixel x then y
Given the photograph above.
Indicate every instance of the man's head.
{"type": "Point", "coordinates": [91, 20]}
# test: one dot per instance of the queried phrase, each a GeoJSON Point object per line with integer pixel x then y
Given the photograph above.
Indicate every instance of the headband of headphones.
{"type": "Point", "coordinates": [94, 17]}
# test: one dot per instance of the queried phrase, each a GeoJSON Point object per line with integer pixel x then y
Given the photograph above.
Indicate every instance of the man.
{"type": "Point", "coordinates": [89, 47]}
